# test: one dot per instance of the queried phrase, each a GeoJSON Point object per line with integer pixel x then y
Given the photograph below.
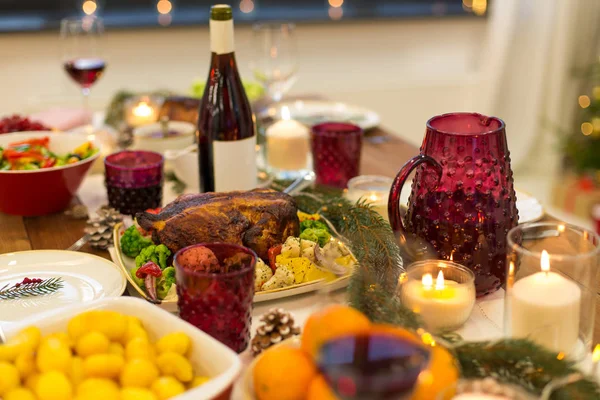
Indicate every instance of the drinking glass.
{"type": "Point", "coordinates": [336, 148]}
{"type": "Point", "coordinates": [275, 62]}
{"type": "Point", "coordinates": [134, 180]}
{"type": "Point", "coordinates": [82, 54]}
{"type": "Point", "coordinates": [218, 299]}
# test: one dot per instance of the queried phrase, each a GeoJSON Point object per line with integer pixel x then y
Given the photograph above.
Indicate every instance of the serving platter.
{"type": "Point", "coordinates": [170, 302]}
{"type": "Point", "coordinates": [85, 278]}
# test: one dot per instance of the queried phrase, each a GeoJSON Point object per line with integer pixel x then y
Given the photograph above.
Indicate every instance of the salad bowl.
{"type": "Point", "coordinates": [48, 190]}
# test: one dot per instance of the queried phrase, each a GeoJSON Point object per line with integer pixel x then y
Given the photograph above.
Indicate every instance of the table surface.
{"type": "Point", "coordinates": [383, 154]}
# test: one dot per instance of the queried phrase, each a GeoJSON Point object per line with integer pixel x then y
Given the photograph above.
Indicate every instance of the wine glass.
{"type": "Point", "coordinates": [82, 55]}
{"type": "Point", "coordinates": [275, 61]}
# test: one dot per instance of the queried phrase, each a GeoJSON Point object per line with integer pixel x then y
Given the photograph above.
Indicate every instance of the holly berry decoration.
{"type": "Point", "coordinates": [276, 326]}
{"type": "Point", "coordinates": [16, 123]}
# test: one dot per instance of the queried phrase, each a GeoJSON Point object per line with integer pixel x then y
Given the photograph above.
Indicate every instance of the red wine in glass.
{"type": "Point", "coordinates": [374, 366]}
{"type": "Point", "coordinates": [85, 71]}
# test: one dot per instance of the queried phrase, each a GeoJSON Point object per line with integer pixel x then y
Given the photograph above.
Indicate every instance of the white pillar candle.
{"type": "Point", "coordinates": [287, 144]}
{"type": "Point", "coordinates": [445, 306]}
{"type": "Point", "coordinates": [545, 308]}
{"type": "Point", "coordinates": [371, 189]}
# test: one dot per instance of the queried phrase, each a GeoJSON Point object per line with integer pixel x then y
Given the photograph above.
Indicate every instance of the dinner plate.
{"type": "Point", "coordinates": [312, 112]}
{"type": "Point", "coordinates": [530, 209]}
{"type": "Point", "coordinates": [170, 303]}
{"type": "Point", "coordinates": [85, 278]}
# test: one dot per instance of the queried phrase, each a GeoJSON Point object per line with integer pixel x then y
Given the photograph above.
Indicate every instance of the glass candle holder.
{"type": "Point", "coordinates": [141, 110]}
{"type": "Point", "coordinates": [336, 149]}
{"type": "Point", "coordinates": [551, 286]}
{"type": "Point", "coordinates": [372, 189]}
{"type": "Point", "coordinates": [441, 292]}
{"type": "Point", "coordinates": [215, 295]}
{"type": "Point", "coordinates": [134, 180]}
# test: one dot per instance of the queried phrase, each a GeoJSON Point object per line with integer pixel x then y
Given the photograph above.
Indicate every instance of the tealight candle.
{"type": "Point", "coordinates": [443, 304]}
{"type": "Point", "coordinates": [372, 189]}
{"type": "Point", "coordinates": [287, 144]}
{"type": "Point", "coordinates": [141, 111]}
{"type": "Point", "coordinates": [545, 308]}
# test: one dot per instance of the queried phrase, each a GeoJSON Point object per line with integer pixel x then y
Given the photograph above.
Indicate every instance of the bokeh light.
{"type": "Point", "coordinates": [165, 19]}
{"type": "Point", "coordinates": [246, 6]}
{"type": "Point", "coordinates": [479, 6]}
{"type": "Point", "coordinates": [89, 7]}
{"type": "Point", "coordinates": [336, 13]}
{"type": "Point", "coordinates": [336, 3]}
{"type": "Point", "coordinates": [587, 128]}
{"type": "Point", "coordinates": [164, 6]}
{"type": "Point", "coordinates": [584, 101]}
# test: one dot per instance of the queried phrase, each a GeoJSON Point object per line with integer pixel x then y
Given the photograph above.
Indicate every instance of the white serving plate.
{"type": "Point", "coordinates": [86, 278]}
{"type": "Point", "coordinates": [209, 357]}
{"type": "Point", "coordinates": [170, 303]}
{"type": "Point", "coordinates": [312, 112]}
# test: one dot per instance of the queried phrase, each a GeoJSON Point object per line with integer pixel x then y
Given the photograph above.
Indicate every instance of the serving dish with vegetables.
{"type": "Point", "coordinates": [300, 264]}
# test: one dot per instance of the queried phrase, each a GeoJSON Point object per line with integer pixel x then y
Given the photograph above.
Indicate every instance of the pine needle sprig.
{"type": "Point", "coordinates": [46, 286]}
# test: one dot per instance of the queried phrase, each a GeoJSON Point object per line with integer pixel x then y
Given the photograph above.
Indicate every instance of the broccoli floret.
{"type": "Point", "coordinates": [157, 254]}
{"type": "Point", "coordinates": [312, 224]}
{"type": "Point", "coordinates": [138, 281]}
{"type": "Point", "coordinates": [165, 282]}
{"type": "Point", "coordinates": [320, 236]}
{"type": "Point", "coordinates": [132, 242]}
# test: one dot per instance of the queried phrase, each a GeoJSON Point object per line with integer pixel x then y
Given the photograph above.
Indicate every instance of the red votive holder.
{"type": "Point", "coordinates": [336, 148]}
{"type": "Point", "coordinates": [134, 180]}
{"type": "Point", "coordinates": [215, 288]}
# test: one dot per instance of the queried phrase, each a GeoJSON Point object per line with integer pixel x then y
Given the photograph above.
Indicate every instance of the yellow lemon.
{"type": "Point", "coordinates": [139, 373]}
{"type": "Point", "coordinates": [98, 389]}
{"type": "Point", "coordinates": [53, 385]}
{"type": "Point", "coordinates": [53, 355]}
{"type": "Point", "coordinates": [139, 347]}
{"type": "Point", "coordinates": [116, 348]}
{"type": "Point", "coordinates": [110, 323]}
{"type": "Point", "coordinates": [134, 330]}
{"type": "Point", "coordinates": [173, 364]}
{"type": "Point", "coordinates": [131, 393]}
{"type": "Point", "coordinates": [19, 394]}
{"type": "Point", "coordinates": [25, 363]}
{"type": "Point", "coordinates": [76, 373]}
{"type": "Point", "coordinates": [29, 338]}
{"type": "Point", "coordinates": [10, 351]}
{"type": "Point", "coordinates": [92, 343]}
{"type": "Point", "coordinates": [199, 380]}
{"type": "Point", "coordinates": [9, 377]}
{"type": "Point", "coordinates": [176, 342]}
{"type": "Point", "coordinates": [103, 366]}
{"type": "Point", "coordinates": [31, 381]}
{"type": "Point", "coordinates": [166, 387]}
{"type": "Point", "coordinates": [62, 336]}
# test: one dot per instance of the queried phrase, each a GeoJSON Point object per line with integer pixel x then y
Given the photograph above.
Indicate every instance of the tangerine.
{"type": "Point", "coordinates": [283, 373]}
{"type": "Point", "coordinates": [320, 390]}
{"type": "Point", "coordinates": [330, 323]}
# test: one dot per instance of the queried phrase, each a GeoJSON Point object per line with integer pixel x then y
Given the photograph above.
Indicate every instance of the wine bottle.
{"type": "Point", "coordinates": [226, 130]}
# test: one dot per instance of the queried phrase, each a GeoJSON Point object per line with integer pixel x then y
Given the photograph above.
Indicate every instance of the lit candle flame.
{"type": "Point", "coordinates": [452, 255]}
{"type": "Point", "coordinates": [142, 110]}
{"type": "Point", "coordinates": [596, 354]}
{"type": "Point", "coordinates": [439, 281]}
{"type": "Point", "coordinates": [511, 268]}
{"type": "Point", "coordinates": [373, 197]}
{"type": "Point", "coordinates": [285, 113]}
{"type": "Point", "coordinates": [545, 261]}
{"type": "Point", "coordinates": [427, 281]}
{"type": "Point", "coordinates": [561, 229]}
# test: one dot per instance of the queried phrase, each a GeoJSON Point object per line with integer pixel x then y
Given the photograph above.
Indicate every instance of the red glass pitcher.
{"type": "Point", "coordinates": [462, 200]}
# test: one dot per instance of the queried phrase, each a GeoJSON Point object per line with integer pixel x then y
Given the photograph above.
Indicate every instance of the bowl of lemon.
{"type": "Point", "coordinates": [118, 348]}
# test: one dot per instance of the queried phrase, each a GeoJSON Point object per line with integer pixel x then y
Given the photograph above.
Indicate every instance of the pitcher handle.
{"type": "Point", "coordinates": [394, 199]}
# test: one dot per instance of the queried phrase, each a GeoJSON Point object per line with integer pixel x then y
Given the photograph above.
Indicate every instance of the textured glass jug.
{"type": "Point", "coordinates": [462, 200]}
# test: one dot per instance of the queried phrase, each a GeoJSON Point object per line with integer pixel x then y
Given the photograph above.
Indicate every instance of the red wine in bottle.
{"type": "Point", "coordinates": [226, 130]}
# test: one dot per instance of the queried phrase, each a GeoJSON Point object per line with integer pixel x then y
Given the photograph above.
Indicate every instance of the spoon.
{"type": "Point", "coordinates": [174, 154]}
{"type": "Point", "coordinates": [300, 183]}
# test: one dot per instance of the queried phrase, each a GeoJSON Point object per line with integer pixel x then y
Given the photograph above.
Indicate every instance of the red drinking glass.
{"type": "Point", "coordinates": [134, 180]}
{"type": "Point", "coordinates": [336, 150]}
{"type": "Point", "coordinates": [462, 200]}
{"type": "Point", "coordinates": [218, 300]}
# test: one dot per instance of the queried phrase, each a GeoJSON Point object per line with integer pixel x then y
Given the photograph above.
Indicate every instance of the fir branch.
{"type": "Point", "coordinates": [47, 286]}
{"type": "Point", "coordinates": [178, 185]}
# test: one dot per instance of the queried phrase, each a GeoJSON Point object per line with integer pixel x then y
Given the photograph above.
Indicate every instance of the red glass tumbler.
{"type": "Point", "coordinates": [134, 180]}
{"type": "Point", "coordinates": [336, 148]}
{"type": "Point", "coordinates": [217, 301]}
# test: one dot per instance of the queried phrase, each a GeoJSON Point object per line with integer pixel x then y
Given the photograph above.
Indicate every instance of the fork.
{"type": "Point", "coordinates": [79, 244]}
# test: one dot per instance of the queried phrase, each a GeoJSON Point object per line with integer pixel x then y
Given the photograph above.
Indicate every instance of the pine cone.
{"type": "Point", "coordinates": [277, 325]}
{"type": "Point", "coordinates": [100, 227]}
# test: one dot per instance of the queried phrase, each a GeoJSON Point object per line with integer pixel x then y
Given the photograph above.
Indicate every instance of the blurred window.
{"type": "Point", "coordinates": [32, 15]}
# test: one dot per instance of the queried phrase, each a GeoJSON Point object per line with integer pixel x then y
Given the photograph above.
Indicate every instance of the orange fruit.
{"type": "Point", "coordinates": [320, 390]}
{"type": "Point", "coordinates": [330, 323]}
{"type": "Point", "coordinates": [442, 373]}
{"type": "Point", "coordinates": [283, 373]}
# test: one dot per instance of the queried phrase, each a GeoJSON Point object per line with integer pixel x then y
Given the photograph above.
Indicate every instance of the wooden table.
{"type": "Point", "coordinates": [383, 154]}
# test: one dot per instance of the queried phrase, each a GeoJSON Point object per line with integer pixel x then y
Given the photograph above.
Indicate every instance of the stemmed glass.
{"type": "Point", "coordinates": [82, 53]}
{"type": "Point", "coordinates": [275, 61]}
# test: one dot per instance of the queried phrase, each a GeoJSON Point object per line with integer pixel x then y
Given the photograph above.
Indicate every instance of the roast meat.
{"type": "Point", "coordinates": [258, 219]}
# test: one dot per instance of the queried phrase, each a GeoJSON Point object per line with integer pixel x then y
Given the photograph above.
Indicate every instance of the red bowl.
{"type": "Point", "coordinates": [48, 190]}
